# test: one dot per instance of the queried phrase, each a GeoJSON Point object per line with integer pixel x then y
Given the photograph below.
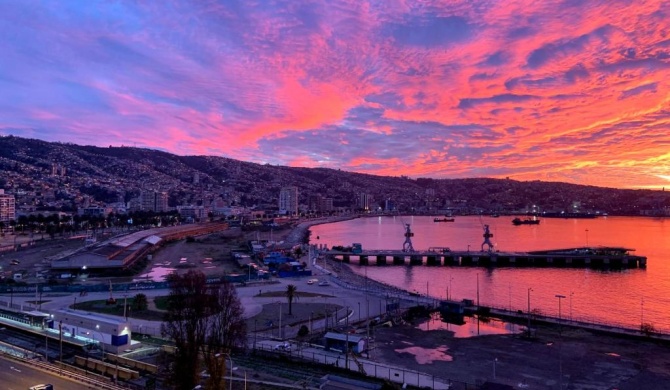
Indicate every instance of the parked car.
{"type": "Point", "coordinates": [42, 387]}
{"type": "Point", "coordinates": [283, 347]}
{"type": "Point", "coordinates": [324, 283]}
{"type": "Point", "coordinates": [14, 262]}
{"type": "Point", "coordinates": [312, 281]}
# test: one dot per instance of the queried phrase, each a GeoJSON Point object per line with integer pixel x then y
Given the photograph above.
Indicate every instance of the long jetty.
{"type": "Point", "coordinates": [583, 257]}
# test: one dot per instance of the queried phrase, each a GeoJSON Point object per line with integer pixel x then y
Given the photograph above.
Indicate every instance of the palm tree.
{"type": "Point", "coordinates": [291, 290]}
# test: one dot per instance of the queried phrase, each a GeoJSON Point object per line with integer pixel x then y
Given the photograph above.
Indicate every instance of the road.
{"type": "Point", "coordinates": [16, 376]}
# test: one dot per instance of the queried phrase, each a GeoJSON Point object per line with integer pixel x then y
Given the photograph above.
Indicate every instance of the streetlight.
{"type": "Point", "coordinates": [571, 294]}
{"type": "Point", "coordinates": [102, 341]}
{"type": "Point", "coordinates": [494, 367]}
{"type": "Point", "coordinates": [510, 297]}
{"type": "Point", "coordinates": [46, 339]}
{"type": "Point", "coordinates": [232, 368]}
{"type": "Point", "coordinates": [529, 290]}
{"type": "Point", "coordinates": [587, 236]}
{"type": "Point", "coordinates": [641, 312]}
{"type": "Point", "coordinates": [559, 296]}
{"type": "Point", "coordinates": [450, 290]}
{"type": "Point", "coordinates": [560, 331]}
{"type": "Point", "coordinates": [359, 312]}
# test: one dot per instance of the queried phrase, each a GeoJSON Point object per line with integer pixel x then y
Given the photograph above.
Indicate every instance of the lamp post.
{"type": "Point", "coordinates": [232, 368]}
{"type": "Point", "coordinates": [571, 294]}
{"type": "Point", "coordinates": [510, 297]}
{"type": "Point", "coordinates": [560, 297]}
{"type": "Point", "coordinates": [495, 360]}
{"type": "Point", "coordinates": [529, 290]}
{"type": "Point", "coordinates": [450, 289]}
{"type": "Point", "coordinates": [46, 339]}
{"type": "Point", "coordinates": [102, 341]}
{"type": "Point", "coordinates": [641, 313]}
{"type": "Point", "coordinates": [359, 312]}
{"type": "Point", "coordinates": [560, 331]}
{"type": "Point", "coordinates": [587, 236]}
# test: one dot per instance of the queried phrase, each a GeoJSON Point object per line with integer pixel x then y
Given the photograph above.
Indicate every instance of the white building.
{"type": "Point", "coordinates": [288, 200]}
{"type": "Point", "coordinates": [112, 334]}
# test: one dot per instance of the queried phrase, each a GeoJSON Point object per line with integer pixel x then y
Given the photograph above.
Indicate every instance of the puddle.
{"type": "Point", "coordinates": [464, 327]}
{"type": "Point", "coordinates": [156, 274]}
{"type": "Point", "coordinates": [428, 355]}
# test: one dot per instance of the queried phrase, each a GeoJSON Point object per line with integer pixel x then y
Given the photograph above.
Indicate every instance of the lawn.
{"type": "Point", "coordinates": [116, 309]}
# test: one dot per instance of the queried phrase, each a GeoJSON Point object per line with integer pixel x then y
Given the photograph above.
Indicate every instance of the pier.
{"type": "Point", "coordinates": [575, 257]}
{"type": "Point", "coordinates": [582, 257]}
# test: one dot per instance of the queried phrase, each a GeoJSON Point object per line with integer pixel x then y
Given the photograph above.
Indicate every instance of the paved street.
{"type": "Point", "coordinates": [16, 376]}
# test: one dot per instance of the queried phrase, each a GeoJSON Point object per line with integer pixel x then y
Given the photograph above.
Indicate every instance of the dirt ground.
{"type": "Point", "coordinates": [210, 254]}
{"type": "Point", "coordinates": [34, 259]}
{"type": "Point", "coordinates": [586, 360]}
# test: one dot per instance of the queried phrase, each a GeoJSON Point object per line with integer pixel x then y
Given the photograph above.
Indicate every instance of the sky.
{"type": "Point", "coordinates": [573, 91]}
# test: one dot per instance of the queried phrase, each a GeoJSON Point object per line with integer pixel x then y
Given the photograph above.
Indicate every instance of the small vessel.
{"type": "Point", "coordinates": [443, 220]}
{"type": "Point", "coordinates": [527, 221]}
{"type": "Point", "coordinates": [577, 214]}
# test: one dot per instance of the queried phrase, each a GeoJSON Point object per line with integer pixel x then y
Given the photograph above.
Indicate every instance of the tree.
{"type": "Point", "coordinates": [303, 331]}
{"type": "Point", "coordinates": [227, 331]}
{"type": "Point", "coordinates": [140, 302]}
{"type": "Point", "coordinates": [203, 321]}
{"type": "Point", "coordinates": [186, 323]}
{"type": "Point", "coordinates": [291, 291]}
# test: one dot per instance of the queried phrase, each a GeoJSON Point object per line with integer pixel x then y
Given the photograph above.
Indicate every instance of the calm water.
{"type": "Point", "coordinates": [626, 297]}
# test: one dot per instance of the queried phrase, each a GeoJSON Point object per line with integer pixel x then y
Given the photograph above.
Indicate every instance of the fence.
{"type": "Point", "coordinates": [372, 369]}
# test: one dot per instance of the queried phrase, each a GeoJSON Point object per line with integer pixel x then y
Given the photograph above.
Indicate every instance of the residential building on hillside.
{"type": "Point", "coordinates": [7, 208]}
{"type": "Point", "coordinates": [320, 204]}
{"type": "Point", "coordinates": [154, 201]}
{"type": "Point", "coordinates": [193, 213]}
{"type": "Point", "coordinates": [364, 202]}
{"type": "Point", "coordinates": [288, 200]}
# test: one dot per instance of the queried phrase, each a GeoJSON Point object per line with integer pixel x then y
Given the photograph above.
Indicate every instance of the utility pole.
{"type": "Point", "coordinates": [60, 333]}
{"type": "Point", "coordinates": [529, 290]}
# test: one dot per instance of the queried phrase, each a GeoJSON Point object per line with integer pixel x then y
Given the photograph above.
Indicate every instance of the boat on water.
{"type": "Point", "coordinates": [564, 214]}
{"type": "Point", "coordinates": [527, 221]}
{"type": "Point", "coordinates": [443, 220]}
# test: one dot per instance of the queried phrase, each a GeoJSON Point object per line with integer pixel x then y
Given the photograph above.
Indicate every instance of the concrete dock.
{"type": "Point", "coordinates": [585, 257]}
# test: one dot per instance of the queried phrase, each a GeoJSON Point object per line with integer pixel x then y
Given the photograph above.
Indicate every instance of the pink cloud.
{"type": "Point", "coordinates": [520, 88]}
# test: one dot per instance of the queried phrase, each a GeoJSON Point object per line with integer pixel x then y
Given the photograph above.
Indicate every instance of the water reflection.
{"type": "Point", "coordinates": [428, 355]}
{"type": "Point", "coordinates": [156, 274]}
{"type": "Point", "coordinates": [464, 327]}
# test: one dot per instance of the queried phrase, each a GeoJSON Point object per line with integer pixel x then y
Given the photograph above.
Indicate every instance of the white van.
{"type": "Point", "coordinates": [41, 387]}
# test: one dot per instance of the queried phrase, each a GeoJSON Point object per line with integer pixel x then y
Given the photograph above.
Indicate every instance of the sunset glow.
{"type": "Point", "coordinates": [574, 91]}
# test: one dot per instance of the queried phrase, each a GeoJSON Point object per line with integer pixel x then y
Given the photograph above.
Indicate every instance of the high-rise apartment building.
{"type": "Point", "coordinates": [288, 200]}
{"type": "Point", "coordinates": [364, 202]}
{"type": "Point", "coordinates": [7, 208]}
{"type": "Point", "coordinates": [154, 201]}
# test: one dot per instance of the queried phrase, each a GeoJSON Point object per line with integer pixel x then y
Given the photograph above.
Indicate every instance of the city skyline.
{"type": "Point", "coordinates": [557, 91]}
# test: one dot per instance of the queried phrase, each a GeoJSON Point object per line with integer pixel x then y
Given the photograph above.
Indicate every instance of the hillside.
{"type": "Point", "coordinates": [119, 173]}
